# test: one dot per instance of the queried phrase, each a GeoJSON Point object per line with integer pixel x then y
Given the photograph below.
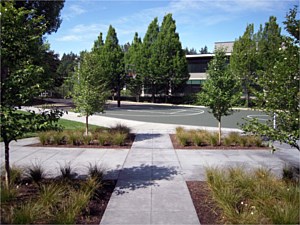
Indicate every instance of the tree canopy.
{"type": "Point", "coordinates": [221, 90]}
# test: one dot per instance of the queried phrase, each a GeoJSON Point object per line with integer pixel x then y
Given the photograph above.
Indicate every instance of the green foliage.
{"type": "Point", "coordinates": [7, 194]}
{"type": "Point", "coordinates": [256, 197]}
{"type": "Point", "coordinates": [26, 213]}
{"type": "Point", "coordinates": [168, 58]}
{"type": "Point", "coordinates": [96, 171]}
{"type": "Point", "coordinates": [133, 63]}
{"type": "Point", "coordinates": [220, 91]}
{"type": "Point", "coordinates": [118, 138]}
{"type": "Point", "coordinates": [243, 61]}
{"type": "Point", "coordinates": [120, 128]}
{"type": "Point", "coordinates": [279, 81]}
{"type": "Point", "coordinates": [90, 88]}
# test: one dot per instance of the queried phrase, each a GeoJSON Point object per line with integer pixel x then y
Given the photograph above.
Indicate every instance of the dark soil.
{"type": "Point", "coordinates": [91, 215]}
{"type": "Point", "coordinates": [206, 207]}
{"type": "Point", "coordinates": [176, 145]}
{"type": "Point", "coordinates": [127, 145]}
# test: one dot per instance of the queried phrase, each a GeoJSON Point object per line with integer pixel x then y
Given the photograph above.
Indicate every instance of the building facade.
{"type": "Point", "coordinates": [198, 64]}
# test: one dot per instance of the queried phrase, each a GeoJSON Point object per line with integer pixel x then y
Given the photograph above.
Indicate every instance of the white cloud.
{"type": "Point", "coordinates": [74, 10]}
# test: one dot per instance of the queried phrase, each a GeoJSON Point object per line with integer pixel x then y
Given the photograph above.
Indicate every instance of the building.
{"type": "Point", "coordinates": [198, 64]}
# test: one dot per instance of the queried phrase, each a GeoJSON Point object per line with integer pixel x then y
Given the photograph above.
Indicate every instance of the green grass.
{"type": "Point", "coordinates": [255, 197]}
{"type": "Point", "coordinates": [66, 124]}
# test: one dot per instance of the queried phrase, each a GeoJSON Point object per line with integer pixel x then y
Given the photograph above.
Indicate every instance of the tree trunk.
{"type": "Point", "coordinates": [219, 142]}
{"type": "Point", "coordinates": [247, 97]}
{"type": "Point", "coordinates": [7, 170]}
{"type": "Point", "coordinates": [119, 95]}
{"type": "Point", "coordinates": [87, 125]}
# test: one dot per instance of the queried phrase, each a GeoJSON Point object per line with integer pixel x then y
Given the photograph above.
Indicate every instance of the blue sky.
{"type": "Point", "coordinates": [199, 22]}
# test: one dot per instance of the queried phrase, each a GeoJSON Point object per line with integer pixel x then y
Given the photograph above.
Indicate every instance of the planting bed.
{"type": "Point", "coordinates": [206, 207]}
{"type": "Point", "coordinates": [127, 145]}
{"type": "Point", "coordinates": [26, 192]}
{"type": "Point", "coordinates": [177, 145]}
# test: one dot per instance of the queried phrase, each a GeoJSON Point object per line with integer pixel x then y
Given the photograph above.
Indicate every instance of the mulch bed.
{"type": "Point", "coordinates": [127, 145]}
{"type": "Point", "coordinates": [176, 145]}
{"type": "Point", "coordinates": [206, 207]}
{"type": "Point", "coordinates": [92, 215]}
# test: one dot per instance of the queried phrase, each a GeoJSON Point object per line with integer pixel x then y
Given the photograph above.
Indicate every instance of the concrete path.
{"type": "Point", "coordinates": [151, 188]}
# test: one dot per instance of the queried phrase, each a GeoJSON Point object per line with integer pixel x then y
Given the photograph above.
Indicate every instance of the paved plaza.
{"type": "Point", "coordinates": [151, 176]}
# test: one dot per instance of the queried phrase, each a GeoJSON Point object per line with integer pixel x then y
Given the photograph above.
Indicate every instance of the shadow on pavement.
{"type": "Point", "coordinates": [144, 176]}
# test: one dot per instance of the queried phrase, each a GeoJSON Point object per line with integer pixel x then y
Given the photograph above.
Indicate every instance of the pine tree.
{"type": "Point", "coordinates": [243, 61]}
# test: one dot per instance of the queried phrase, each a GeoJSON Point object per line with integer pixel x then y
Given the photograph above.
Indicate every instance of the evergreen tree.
{"type": "Point", "coordinates": [169, 59]}
{"type": "Point", "coordinates": [148, 67]}
{"type": "Point", "coordinates": [133, 61]}
{"type": "Point", "coordinates": [204, 50]}
{"type": "Point", "coordinates": [113, 62]}
{"type": "Point", "coordinates": [220, 91]}
{"type": "Point", "coordinates": [98, 44]}
{"type": "Point", "coordinates": [243, 61]}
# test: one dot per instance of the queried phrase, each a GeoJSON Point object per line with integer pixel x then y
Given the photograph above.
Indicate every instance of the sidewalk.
{"type": "Point", "coordinates": [151, 176]}
{"type": "Point", "coordinates": [151, 188]}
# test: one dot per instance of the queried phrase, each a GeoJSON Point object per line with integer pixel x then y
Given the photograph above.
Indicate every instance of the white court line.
{"type": "Point", "coordinates": [161, 114]}
{"type": "Point", "coordinates": [257, 117]}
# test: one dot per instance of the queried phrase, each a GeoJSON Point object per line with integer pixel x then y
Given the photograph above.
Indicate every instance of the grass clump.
{"type": "Point", "coordinates": [36, 173]}
{"type": "Point", "coordinates": [119, 128]}
{"type": "Point", "coordinates": [254, 197]}
{"type": "Point", "coordinates": [118, 138]}
{"type": "Point", "coordinates": [96, 171]}
{"type": "Point", "coordinates": [66, 171]}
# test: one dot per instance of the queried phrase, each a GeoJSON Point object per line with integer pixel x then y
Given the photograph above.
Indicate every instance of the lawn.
{"type": "Point", "coordinates": [66, 124]}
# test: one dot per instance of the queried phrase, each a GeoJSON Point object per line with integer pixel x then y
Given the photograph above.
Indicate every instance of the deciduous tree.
{"type": "Point", "coordinates": [221, 90]}
{"type": "Point", "coordinates": [90, 87]}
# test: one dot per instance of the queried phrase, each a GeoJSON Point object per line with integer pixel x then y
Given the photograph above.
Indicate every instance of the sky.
{"type": "Point", "coordinates": [198, 22]}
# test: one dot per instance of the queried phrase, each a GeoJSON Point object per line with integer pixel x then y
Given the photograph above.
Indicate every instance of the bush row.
{"type": "Point", "coordinates": [206, 138]}
{"type": "Point", "coordinates": [117, 135]}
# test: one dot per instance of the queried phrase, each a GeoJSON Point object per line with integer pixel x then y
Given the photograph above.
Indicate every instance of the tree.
{"type": "Point", "coordinates": [21, 78]}
{"type": "Point", "coordinates": [133, 58]}
{"type": "Point", "coordinates": [220, 91]}
{"type": "Point", "coordinates": [191, 51]}
{"type": "Point", "coordinates": [49, 10]}
{"type": "Point", "coordinates": [204, 50]}
{"type": "Point", "coordinates": [65, 71]}
{"type": "Point", "coordinates": [279, 79]}
{"type": "Point", "coordinates": [168, 59]}
{"type": "Point", "coordinates": [113, 63]}
{"type": "Point", "coordinates": [148, 67]}
{"type": "Point", "coordinates": [292, 24]}
{"type": "Point", "coordinates": [90, 89]}
{"type": "Point", "coordinates": [243, 61]}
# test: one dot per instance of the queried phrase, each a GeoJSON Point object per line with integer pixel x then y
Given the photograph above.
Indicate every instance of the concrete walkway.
{"type": "Point", "coordinates": [151, 176]}
{"type": "Point", "coordinates": [151, 188]}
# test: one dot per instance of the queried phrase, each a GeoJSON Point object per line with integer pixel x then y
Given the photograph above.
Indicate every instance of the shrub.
{"type": "Point", "coordinates": [232, 139]}
{"type": "Point", "coordinates": [50, 194]}
{"type": "Point", "coordinates": [27, 213]}
{"type": "Point", "coordinates": [44, 138]}
{"type": "Point", "coordinates": [254, 197]}
{"type": "Point", "coordinates": [118, 138]}
{"type": "Point", "coordinates": [86, 139]}
{"type": "Point", "coordinates": [7, 194]}
{"type": "Point", "coordinates": [73, 138]}
{"type": "Point", "coordinates": [57, 137]}
{"type": "Point", "coordinates": [197, 139]}
{"type": "Point", "coordinates": [184, 138]}
{"type": "Point", "coordinates": [36, 172]}
{"type": "Point", "coordinates": [103, 138]}
{"type": "Point", "coordinates": [213, 138]}
{"type": "Point", "coordinates": [119, 128]}
{"type": "Point", "coordinates": [66, 171]}
{"type": "Point", "coordinates": [96, 171]}
{"type": "Point", "coordinates": [179, 130]}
